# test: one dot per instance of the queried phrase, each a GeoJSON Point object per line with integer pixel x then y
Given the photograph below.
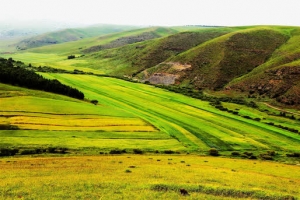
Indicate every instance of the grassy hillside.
{"type": "Point", "coordinates": [278, 77]}
{"type": "Point", "coordinates": [219, 61]}
{"type": "Point", "coordinates": [67, 35]}
{"type": "Point", "coordinates": [195, 124]}
{"type": "Point", "coordinates": [56, 55]}
{"type": "Point", "coordinates": [259, 62]}
{"type": "Point", "coordinates": [71, 123]}
{"type": "Point", "coordinates": [132, 59]}
{"type": "Point", "coordinates": [138, 118]}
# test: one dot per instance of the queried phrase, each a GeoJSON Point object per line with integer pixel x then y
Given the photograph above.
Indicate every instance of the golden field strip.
{"type": "Point", "coordinates": [79, 123]}
{"type": "Point", "coordinates": [146, 177]}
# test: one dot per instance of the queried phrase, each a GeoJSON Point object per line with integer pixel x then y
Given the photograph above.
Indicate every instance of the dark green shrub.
{"type": "Point", "coordinates": [265, 157]}
{"type": "Point", "coordinates": [271, 153]}
{"type": "Point", "coordinates": [137, 151]}
{"type": "Point", "coordinates": [71, 57]}
{"type": "Point", "coordinates": [28, 152]}
{"type": "Point", "coordinates": [247, 117]}
{"type": "Point", "coordinates": [62, 150]}
{"type": "Point", "coordinates": [235, 153]}
{"type": "Point", "coordinates": [8, 127]}
{"type": "Point", "coordinates": [51, 149]}
{"type": "Point", "coordinates": [8, 152]}
{"type": "Point", "coordinates": [248, 153]}
{"type": "Point", "coordinates": [169, 152]}
{"type": "Point", "coordinates": [95, 102]}
{"type": "Point", "coordinates": [117, 151]}
{"type": "Point", "coordinates": [252, 157]}
{"type": "Point", "coordinates": [213, 152]}
{"type": "Point", "coordinates": [296, 155]}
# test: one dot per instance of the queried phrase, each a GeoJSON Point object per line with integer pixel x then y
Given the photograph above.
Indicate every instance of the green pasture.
{"type": "Point", "coordinates": [46, 120]}
{"type": "Point", "coordinates": [196, 124]}
{"type": "Point", "coordinates": [53, 60]}
{"type": "Point", "coordinates": [133, 115]}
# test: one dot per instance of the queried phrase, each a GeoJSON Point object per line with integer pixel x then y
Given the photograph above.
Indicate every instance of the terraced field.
{"type": "Point", "coordinates": [195, 124]}
{"type": "Point", "coordinates": [33, 119]}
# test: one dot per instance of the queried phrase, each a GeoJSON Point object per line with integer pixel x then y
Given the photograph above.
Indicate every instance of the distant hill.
{"type": "Point", "coordinates": [19, 29]}
{"type": "Point", "coordinates": [70, 34]}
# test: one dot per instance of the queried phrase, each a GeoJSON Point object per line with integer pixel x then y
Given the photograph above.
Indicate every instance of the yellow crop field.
{"type": "Point", "coordinates": [97, 123]}
{"type": "Point", "coordinates": [146, 177]}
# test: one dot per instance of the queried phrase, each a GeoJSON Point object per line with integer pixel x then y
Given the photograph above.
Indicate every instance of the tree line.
{"type": "Point", "coordinates": [12, 73]}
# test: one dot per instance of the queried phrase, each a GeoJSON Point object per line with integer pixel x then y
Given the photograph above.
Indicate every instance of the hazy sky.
{"type": "Point", "coordinates": [157, 12]}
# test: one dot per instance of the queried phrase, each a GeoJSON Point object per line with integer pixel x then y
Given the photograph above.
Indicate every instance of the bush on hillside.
{"type": "Point", "coordinates": [71, 57]}
{"type": "Point", "coordinates": [137, 151]}
{"type": "Point", "coordinates": [117, 151]}
{"type": "Point", "coordinates": [8, 152]}
{"type": "Point", "coordinates": [213, 152]}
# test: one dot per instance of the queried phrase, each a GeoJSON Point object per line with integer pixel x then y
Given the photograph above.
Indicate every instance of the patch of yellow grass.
{"type": "Point", "coordinates": [97, 123]}
{"type": "Point", "coordinates": [116, 128]}
{"type": "Point", "coordinates": [132, 177]}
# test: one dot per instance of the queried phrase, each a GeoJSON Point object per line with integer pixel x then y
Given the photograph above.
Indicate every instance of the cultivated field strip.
{"type": "Point", "coordinates": [193, 122]}
{"type": "Point", "coordinates": [34, 113]}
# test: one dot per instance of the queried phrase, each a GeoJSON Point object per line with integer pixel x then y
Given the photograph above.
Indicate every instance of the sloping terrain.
{"type": "Point", "coordinates": [278, 77]}
{"type": "Point", "coordinates": [260, 62]}
{"type": "Point", "coordinates": [219, 61]}
{"type": "Point", "coordinates": [27, 121]}
{"type": "Point", "coordinates": [131, 115]}
{"type": "Point", "coordinates": [251, 60]}
{"type": "Point", "coordinates": [132, 59]}
{"type": "Point", "coordinates": [132, 38]}
{"type": "Point", "coordinates": [67, 35]}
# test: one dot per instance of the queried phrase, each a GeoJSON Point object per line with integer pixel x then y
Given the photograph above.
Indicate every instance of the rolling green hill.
{"type": "Point", "coordinates": [224, 79]}
{"type": "Point", "coordinates": [133, 115]}
{"type": "Point", "coordinates": [256, 61]}
{"type": "Point", "coordinates": [71, 34]}
{"type": "Point", "coordinates": [259, 62]}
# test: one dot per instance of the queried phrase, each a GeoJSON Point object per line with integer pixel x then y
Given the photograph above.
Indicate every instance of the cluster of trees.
{"type": "Point", "coordinates": [16, 75]}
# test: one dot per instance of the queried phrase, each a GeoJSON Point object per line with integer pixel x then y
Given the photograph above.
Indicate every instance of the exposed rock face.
{"type": "Point", "coordinates": [167, 73]}
{"type": "Point", "coordinates": [162, 78]}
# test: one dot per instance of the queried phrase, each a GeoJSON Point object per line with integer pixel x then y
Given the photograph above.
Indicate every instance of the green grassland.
{"type": "Point", "coordinates": [196, 124]}
{"type": "Point", "coordinates": [138, 116]}
{"type": "Point", "coordinates": [56, 55]}
{"type": "Point", "coordinates": [261, 60]}
{"type": "Point", "coordinates": [54, 120]}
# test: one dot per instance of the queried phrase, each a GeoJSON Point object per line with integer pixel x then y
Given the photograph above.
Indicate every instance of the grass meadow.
{"type": "Point", "coordinates": [130, 117]}
{"type": "Point", "coordinates": [196, 124]}
{"type": "Point", "coordinates": [146, 177]}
